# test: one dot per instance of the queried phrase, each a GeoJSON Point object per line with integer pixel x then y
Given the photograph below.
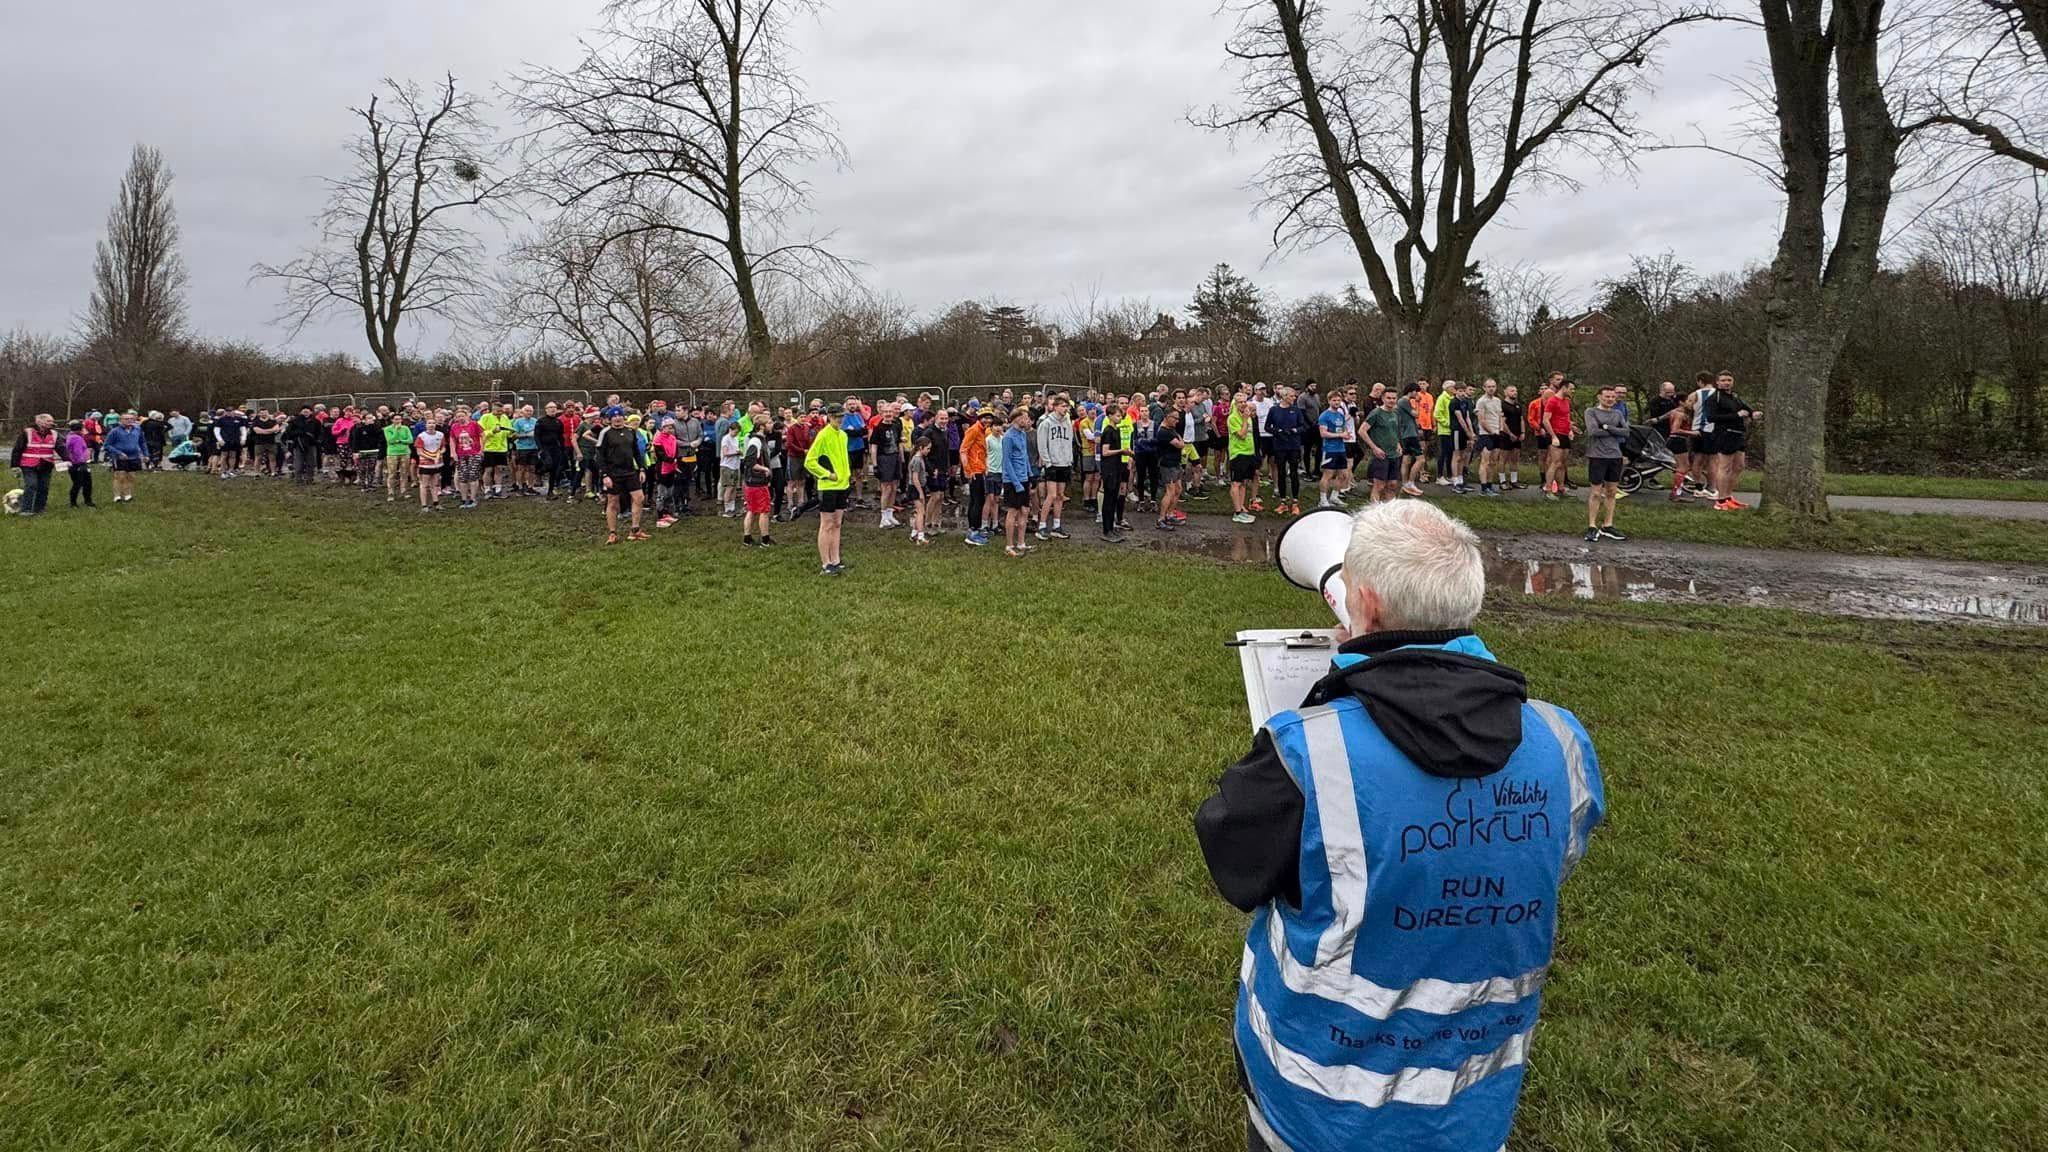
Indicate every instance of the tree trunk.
{"type": "Point", "coordinates": [1796, 465]}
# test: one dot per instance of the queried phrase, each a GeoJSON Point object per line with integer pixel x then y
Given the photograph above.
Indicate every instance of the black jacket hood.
{"type": "Point", "coordinates": [1454, 715]}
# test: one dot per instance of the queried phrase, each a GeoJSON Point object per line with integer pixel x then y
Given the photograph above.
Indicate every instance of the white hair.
{"type": "Point", "coordinates": [1424, 566]}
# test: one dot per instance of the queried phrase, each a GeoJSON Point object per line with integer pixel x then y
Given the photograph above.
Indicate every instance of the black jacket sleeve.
{"type": "Point", "coordinates": [1251, 829]}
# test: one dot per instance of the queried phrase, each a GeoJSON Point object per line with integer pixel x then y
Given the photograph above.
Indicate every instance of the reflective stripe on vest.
{"type": "Point", "coordinates": [1355, 1084]}
{"type": "Point", "coordinates": [41, 449]}
{"type": "Point", "coordinates": [1575, 771]}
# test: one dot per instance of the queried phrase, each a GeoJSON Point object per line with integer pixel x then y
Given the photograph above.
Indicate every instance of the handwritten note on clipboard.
{"type": "Point", "coordinates": [1280, 666]}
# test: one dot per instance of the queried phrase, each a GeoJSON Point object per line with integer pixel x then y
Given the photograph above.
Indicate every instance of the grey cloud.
{"type": "Point", "coordinates": [1029, 152]}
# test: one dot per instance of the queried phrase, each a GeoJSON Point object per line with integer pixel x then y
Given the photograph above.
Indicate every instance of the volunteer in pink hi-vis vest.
{"type": "Point", "coordinates": [35, 453]}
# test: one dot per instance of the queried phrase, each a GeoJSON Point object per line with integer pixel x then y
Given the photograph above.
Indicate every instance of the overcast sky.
{"type": "Point", "coordinates": [1029, 152]}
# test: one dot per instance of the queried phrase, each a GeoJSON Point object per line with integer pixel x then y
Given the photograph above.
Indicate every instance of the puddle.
{"type": "Point", "coordinates": [1885, 589]}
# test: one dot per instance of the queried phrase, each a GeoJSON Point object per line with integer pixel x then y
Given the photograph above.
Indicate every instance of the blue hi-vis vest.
{"type": "Point", "coordinates": [1394, 1008]}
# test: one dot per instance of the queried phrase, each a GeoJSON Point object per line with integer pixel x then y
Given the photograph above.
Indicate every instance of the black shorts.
{"type": "Point", "coordinates": [1561, 441]}
{"type": "Point", "coordinates": [1411, 446]}
{"type": "Point", "coordinates": [623, 483]}
{"type": "Point", "coordinates": [527, 457]}
{"type": "Point", "coordinates": [857, 458]}
{"type": "Point", "coordinates": [1730, 443]}
{"type": "Point", "coordinates": [1679, 445]}
{"type": "Point", "coordinates": [1543, 441]}
{"type": "Point", "coordinates": [127, 464]}
{"type": "Point", "coordinates": [1703, 445]}
{"type": "Point", "coordinates": [1384, 469]}
{"type": "Point", "coordinates": [888, 467]}
{"type": "Point", "coordinates": [832, 500]}
{"type": "Point", "coordinates": [494, 459]}
{"type": "Point", "coordinates": [937, 485]}
{"type": "Point", "coordinates": [1489, 442]}
{"type": "Point", "coordinates": [1603, 471]}
{"type": "Point", "coordinates": [1015, 497]}
{"type": "Point", "coordinates": [1243, 469]}
{"type": "Point", "coordinates": [1059, 475]}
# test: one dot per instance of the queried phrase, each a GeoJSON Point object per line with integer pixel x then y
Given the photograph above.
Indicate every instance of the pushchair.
{"type": "Point", "coordinates": [1645, 457]}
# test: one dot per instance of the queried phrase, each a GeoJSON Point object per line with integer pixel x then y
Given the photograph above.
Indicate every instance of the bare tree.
{"type": "Point", "coordinates": [1991, 250]}
{"type": "Point", "coordinates": [1639, 307]}
{"type": "Point", "coordinates": [626, 306]}
{"type": "Point", "coordinates": [1408, 138]}
{"type": "Point", "coordinates": [393, 241]}
{"type": "Point", "coordinates": [2017, 261]}
{"type": "Point", "coordinates": [1824, 57]}
{"type": "Point", "coordinates": [1982, 77]}
{"type": "Point", "coordinates": [1955, 245]}
{"type": "Point", "coordinates": [138, 292]}
{"type": "Point", "coordinates": [688, 117]}
{"type": "Point", "coordinates": [29, 361]}
{"type": "Point", "coordinates": [1520, 292]}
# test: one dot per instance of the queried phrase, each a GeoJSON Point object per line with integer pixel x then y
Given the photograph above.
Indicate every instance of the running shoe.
{"type": "Point", "coordinates": [1112, 538]}
{"type": "Point", "coordinates": [1731, 506]}
{"type": "Point", "coordinates": [1243, 518]}
{"type": "Point", "coordinates": [1057, 533]}
{"type": "Point", "coordinates": [636, 534]}
{"type": "Point", "coordinates": [976, 540]}
{"type": "Point", "coordinates": [1042, 534]}
{"type": "Point", "coordinates": [1552, 497]}
{"type": "Point", "coordinates": [1609, 533]}
{"type": "Point", "coordinates": [1592, 535]}
{"type": "Point", "coordinates": [1167, 526]}
{"type": "Point", "coordinates": [611, 538]}
{"type": "Point", "coordinates": [1256, 506]}
{"type": "Point", "coordinates": [767, 541]}
{"type": "Point", "coordinates": [665, 522]}
{"type": "Point", "coordinates": [1012, 553]}
{"type": "Point", "coordinates": [1409, 489]}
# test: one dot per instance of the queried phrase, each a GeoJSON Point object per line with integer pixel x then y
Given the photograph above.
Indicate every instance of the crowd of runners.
{"type": "Point", "coordinates": [1004, 464]}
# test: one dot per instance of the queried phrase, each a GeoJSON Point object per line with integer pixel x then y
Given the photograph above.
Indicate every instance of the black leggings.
{"type": "Point", "coordinates": [1288, 464]}
{"type": "Point", "coordinates": [1112, 499]}
{"type": "Point", "coordinates": [1148, 476]}
{"type": "Point", "coordinates": [81, 484]}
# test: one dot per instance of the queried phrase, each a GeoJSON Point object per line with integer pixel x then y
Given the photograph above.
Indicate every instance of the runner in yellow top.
{"type": "Point", "coordinates": [497, 426]}
{"type": "Point", "coordinates": [1244, 456]}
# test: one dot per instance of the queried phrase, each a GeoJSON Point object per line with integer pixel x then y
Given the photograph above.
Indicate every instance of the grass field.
{"type": "Point", "coordinates": [1946, 487]}
{"type": "Point", "coordinates": [334, 826]}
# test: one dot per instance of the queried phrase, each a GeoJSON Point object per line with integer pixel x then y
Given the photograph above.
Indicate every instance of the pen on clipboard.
{"type": "Point", "coordinates": [1305, 640]}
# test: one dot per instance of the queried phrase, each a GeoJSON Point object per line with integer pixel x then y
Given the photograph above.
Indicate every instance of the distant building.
{"type": "Point", "coordinates": [1164, 349]}
{"type": "Point", "coordinates": [1588, 330]}
{"type": "Point", "coordinates": [1035, 345]}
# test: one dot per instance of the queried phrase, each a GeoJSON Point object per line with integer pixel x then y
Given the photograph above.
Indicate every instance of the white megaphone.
{"type": "Point", "coordinates": [1311, 556]}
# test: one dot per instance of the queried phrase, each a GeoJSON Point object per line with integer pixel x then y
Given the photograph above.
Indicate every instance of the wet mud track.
{"type": "Point", "coordinates": [1566, 567]}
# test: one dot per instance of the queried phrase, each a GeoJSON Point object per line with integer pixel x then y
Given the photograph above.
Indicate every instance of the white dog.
{"type": "Point", "coordinates": [14, 502]}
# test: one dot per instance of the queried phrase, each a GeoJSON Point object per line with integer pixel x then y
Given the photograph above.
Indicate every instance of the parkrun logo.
{"type": "Point", "coordinates": [1508, 811]}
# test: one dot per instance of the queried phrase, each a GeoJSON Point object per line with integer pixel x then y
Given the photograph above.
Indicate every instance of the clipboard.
{"type": "Point", "coordinates": [1280, 665]}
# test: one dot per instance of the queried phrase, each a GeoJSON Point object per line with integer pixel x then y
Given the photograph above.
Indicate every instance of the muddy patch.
{"type": "Point", "coordinates": [1565, 567]}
